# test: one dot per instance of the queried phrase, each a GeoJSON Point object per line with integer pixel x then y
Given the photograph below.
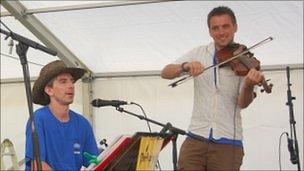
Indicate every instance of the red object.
{"type": "Point", "coordinates": [112, 152]}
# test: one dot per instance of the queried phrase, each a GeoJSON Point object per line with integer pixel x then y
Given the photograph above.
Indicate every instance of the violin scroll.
{"type": "Point", "coordinates": [266, 87]}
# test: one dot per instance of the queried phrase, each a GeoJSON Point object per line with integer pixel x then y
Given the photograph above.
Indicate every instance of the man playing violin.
{"type": "Point", "coordinates": [215, 132]}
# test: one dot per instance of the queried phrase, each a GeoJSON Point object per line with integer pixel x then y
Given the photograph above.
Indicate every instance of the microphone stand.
{"type": "Point", "coordinates": [21, 50]}
{"type": "Point", "coordinates": [166, 127]}
{"type": "Point", "coordinates": [294, 152]}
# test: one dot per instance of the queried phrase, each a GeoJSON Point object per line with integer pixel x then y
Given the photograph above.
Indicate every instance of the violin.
{"type": "Point", "coordinates": [230, 53]}
{"type": "Point", "coordinates": [243, 63]}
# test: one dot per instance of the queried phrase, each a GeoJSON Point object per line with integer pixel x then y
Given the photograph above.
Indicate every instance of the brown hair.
{"type": "Point", "coordinates": [221, 10]}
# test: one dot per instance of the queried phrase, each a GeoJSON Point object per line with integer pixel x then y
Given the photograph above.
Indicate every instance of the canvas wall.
{"type": "Point", "coordinates": [263, 121]}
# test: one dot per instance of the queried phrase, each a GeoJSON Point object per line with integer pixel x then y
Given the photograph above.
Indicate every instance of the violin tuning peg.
{"type": "Point", "coordinates": [262, 90]}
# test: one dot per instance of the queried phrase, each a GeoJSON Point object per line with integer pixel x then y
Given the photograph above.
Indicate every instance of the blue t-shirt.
{"type": "Point", "coordinates": [62, 144]}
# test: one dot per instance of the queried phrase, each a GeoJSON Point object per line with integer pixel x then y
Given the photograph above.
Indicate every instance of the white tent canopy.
{"type": "Point", "coordinates": [123, 39]}
{"type": "Point", "coordinates": [146, 37]}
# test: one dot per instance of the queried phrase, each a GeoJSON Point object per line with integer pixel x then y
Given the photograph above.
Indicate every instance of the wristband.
{"type": "Point", "coordinates": [183, 68]}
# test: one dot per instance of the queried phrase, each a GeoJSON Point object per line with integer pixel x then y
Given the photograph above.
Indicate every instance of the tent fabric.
{"type": "Point", "coordinates": [143, 38]}
{"type": "Point", "coordinates": [263, 121]}
{"type": "Point", "coordinates": [146, 37]}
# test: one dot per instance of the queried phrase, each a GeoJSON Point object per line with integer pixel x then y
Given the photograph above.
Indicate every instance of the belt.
{"type": "Point", "coordinates": [197, 137]}
{"type": "Point", "coordinates": [222, 141]}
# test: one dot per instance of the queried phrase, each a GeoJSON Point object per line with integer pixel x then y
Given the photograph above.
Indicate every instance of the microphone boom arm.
{"type": "Point", "coordinates": [28, 42]}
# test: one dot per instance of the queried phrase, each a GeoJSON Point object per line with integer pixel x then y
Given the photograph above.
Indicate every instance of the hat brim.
{"type": "Point", "coordinates": [39, 96]}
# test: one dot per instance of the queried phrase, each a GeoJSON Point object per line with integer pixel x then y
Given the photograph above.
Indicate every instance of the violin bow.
{"type": "Point", "coordinates": [188, 77]}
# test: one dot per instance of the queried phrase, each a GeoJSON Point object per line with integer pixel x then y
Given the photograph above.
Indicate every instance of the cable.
{"type": "Point", "coordinates": [143, 111]}
{"type": "Point", "coordinates": [234, 124]}
{"type": "Point", "coordinates": [280, 167]}
{"type": "Point", "coordinates": [12, 57]}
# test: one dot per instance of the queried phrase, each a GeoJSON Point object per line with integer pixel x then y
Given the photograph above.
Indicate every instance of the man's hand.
{"type": "Point", "coordinates": [253, 77]}
{"type": "Point", "coordinates": [193, 68]}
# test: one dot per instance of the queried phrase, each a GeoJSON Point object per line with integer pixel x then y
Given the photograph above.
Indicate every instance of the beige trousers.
{"type": "Point", "coordinates": [207, 156]}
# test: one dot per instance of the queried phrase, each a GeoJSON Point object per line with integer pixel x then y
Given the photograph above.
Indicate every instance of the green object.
{"type": "Point", "coordinates": [91, 158]}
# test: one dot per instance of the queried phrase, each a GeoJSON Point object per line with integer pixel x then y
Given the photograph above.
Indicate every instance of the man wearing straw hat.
{"type": "Point", "coordinates": [64, 135]}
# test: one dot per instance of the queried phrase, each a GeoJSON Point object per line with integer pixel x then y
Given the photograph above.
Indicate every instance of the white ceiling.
{"type": "Point", "coordinates": [147, 37]}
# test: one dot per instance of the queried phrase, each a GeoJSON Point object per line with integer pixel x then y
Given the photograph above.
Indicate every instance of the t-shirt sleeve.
{"type": "Point", "coordinates": [29, 141]}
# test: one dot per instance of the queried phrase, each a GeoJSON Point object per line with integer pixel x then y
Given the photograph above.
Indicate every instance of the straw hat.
{"type": "Point", "coordinates": [48, 72]}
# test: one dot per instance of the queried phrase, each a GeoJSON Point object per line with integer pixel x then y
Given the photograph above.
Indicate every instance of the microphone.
{"type": "Point", "coordinates": [293, 155]}
{"type": "Point", "coordinates": [101, 103]}
{"type": "Point", "coordinates": [11, 45]}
